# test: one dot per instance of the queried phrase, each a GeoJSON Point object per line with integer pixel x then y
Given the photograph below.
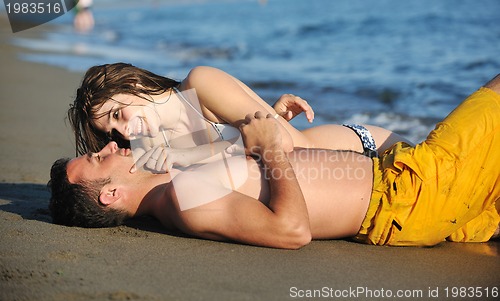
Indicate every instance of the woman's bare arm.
{"type": "Point", "coordinates": [225, 99]}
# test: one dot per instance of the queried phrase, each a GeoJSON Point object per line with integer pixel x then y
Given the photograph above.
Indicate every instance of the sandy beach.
{"type": "Point", "coordinates": [140, 261]}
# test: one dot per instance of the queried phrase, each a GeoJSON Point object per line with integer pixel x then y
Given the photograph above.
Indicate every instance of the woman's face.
{"type": "Point", "coordinates": [130, 115]}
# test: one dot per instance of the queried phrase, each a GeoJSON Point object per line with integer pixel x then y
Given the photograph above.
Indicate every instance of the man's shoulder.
{"type": "Point", "coordinates": [193, 189]}
{"type": "Point", "coordinates": [195, 210]}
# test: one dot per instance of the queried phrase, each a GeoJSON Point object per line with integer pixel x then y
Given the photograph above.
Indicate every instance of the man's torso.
{"type": "Point", "coordinates": [336, 186]}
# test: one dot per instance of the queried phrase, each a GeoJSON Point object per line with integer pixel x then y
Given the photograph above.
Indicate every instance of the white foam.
{"type": "Point", "coordinates": [413, 128]}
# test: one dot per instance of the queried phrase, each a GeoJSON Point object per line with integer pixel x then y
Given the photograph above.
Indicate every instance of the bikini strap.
{"type": "Point", "coordinates": [213, 124]}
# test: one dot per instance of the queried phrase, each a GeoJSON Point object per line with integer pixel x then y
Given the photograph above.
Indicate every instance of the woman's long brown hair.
{"type": "Point", "coordinates": [99, 85]}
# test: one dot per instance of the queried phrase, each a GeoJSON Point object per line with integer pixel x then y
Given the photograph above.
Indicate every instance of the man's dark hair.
{"type": "Point", "coordinates": [78, 204]}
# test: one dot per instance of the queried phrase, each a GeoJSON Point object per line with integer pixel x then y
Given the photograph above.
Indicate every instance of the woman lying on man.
{"type": "Point", "coordinates": [171, 122]}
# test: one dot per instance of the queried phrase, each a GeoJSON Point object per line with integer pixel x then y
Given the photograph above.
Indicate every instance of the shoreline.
{"type": "Point", "coordinates": [140, 260]}
{"type": "Point", "coordinates": [35, 98]}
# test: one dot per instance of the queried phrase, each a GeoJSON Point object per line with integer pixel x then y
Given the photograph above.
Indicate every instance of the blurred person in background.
{"type": "Point", "coordinates": [84, 19]}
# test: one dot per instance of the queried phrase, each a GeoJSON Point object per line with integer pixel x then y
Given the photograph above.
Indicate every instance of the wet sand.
{"type": "Point", "coordinates": [140, 261]}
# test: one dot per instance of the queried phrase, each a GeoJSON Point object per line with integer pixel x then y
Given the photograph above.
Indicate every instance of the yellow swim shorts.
{"type": "Point", "coordinates": [444, 187]}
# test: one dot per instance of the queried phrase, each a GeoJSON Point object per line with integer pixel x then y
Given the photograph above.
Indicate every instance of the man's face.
{"type": "Point", "coordinates": [110, 161]}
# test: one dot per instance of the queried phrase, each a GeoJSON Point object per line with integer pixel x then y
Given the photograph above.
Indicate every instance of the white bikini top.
{"type": "Point", "coordinates": [225, 131]}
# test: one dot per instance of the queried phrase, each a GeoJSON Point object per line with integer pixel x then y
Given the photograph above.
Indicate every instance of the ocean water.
{"type": "Point", "coordinates": [403, 65]}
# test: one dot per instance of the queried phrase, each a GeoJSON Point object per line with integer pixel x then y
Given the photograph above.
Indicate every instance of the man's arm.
{"type": "Point", "coordinates": [284, 223]}
{"type": "Point", "coordinates": [262, 139]}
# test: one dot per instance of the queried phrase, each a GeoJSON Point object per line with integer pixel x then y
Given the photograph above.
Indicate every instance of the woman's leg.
{"type": "Point", "coordinates": [334, 136]}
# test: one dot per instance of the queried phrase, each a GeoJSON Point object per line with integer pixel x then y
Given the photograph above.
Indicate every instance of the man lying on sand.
{"type": "Point", "coordinates": [443, 188]}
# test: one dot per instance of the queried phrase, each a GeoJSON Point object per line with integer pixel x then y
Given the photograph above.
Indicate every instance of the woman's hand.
{"type": "Point", "coordinates": [161, 158]}
{"type": "Point", "coordinates": [288, 106]}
